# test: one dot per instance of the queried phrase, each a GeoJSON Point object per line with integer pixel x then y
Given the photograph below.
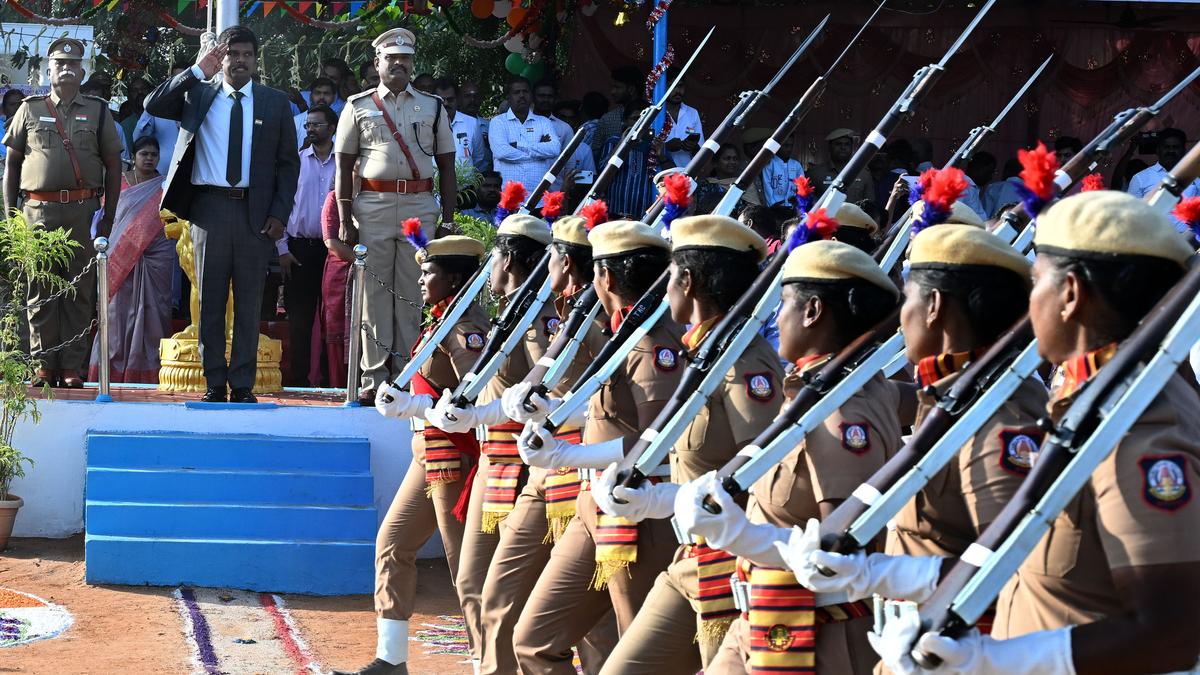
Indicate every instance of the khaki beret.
{"type": "Point", "coordinates": [712, 232]}
{"type": "Point", "coordinates": [1105, 223]}
{"type": "Point", "coordinates": [834, 261]}
{"type": "Point", "coordinates": [619, 237]}
{"type": "Point", "coordinates": [960, 214]}
{"type": "Point", "coordinates": [454, 245]}
{"type": "Point", "coordinates": [570, 230]}
{"type": "Point", "coordinates": [840, 133]}
{"type": "Point", "coordinates": [525, 225]}
{"type": "Point", "coordinates": [957, 245]}
{"type": "Point", "coordinates": [65, 48]}
{"type": "Point", "coordinates": [851, 215]}
{"type": "Point", "coordinates": [396, 41]}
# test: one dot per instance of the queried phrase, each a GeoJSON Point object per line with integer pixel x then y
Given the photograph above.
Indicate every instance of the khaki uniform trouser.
{"type": "Point", "coordinates": [411, 520]}
{"type": "Point", "coordinates": [518, 561]}
{"type": "Point", "coordinates": [391, 320]}
{"type": "Point", "coordinates": [563, 607]}
{"type": "Point", "coordinates": [66, 317]}
{"type": "Point", "coordinates": [841, 648]}
{"type": "Point", "coordinates": [474, 558]}
{"type": "Point", "coordinates": [662, 638]}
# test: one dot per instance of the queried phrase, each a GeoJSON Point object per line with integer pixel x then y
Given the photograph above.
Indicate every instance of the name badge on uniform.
{"type": "Point", "coordinates": [258, 123]}
{"type": "Point", "coordinates": [44, 118]}
{"type": "Point", "coordinates": [373, 113]}
{"type": "Point", "coordinates": [81, 118]}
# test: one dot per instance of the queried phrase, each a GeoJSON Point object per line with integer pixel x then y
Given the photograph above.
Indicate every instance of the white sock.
{"type": "Point", "coordinates": [475, 665]}
{"type": "Point", "coordinates": [392, 644]}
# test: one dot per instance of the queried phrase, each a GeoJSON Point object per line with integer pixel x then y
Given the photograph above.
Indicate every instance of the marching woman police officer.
{"type": "Point", "coordinates": [832, 294]}
{"type": "Point", "coordinates": [598, 551]}
{"type": "Point", "coordinates": [433, 485]}
{"type": "Point", "coordinates": [714, 260]}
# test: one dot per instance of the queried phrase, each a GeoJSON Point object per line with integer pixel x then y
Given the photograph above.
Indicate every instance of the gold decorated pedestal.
{"type": "Point", "coordinates": [180, 369]}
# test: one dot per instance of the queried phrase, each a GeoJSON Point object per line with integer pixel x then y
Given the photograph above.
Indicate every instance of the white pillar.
{"type": "Point", "coordinates": [227, 14]}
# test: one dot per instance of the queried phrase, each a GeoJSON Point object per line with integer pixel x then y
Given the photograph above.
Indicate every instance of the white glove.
{"type": "Point", "coordinates": [1043, 653]}
{"type": "Point", "coordinates": [391, 401]}
{"type": "Point", "coordinates": [649, 501]}
{"type": "Point", "coordinates": [555, 453]}
{"type": "Point", "coordinates": [513, 403]}
{"type": "Point", "coordinates": [455, 420]}
{"type": "Point", "coordinates": [730, 530]}
{"type": "Point", "coordinates": [858, 575]}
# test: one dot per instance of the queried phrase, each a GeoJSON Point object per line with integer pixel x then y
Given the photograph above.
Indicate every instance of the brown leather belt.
{"type": "Point", "coordinates": [400, 185]}
{"type": "Point", "coordinates": [227, 192]}
{"type": "Point", "coordinates": [61, 196]}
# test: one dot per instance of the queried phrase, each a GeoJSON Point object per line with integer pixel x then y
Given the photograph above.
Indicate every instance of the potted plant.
{"type": "Point", "coordinates": [29, 254]}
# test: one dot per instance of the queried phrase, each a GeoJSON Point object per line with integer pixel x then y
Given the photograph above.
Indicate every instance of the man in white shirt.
{"type": "Point", "coordinates": [321, 91]}
{"type": "Point", "coordinates": [687, 133]}
{"type": "Point", "coordinates": [545, 95]}
{"type": "Point", "coordinates": [1171, 145]}
{"type": "Point", "coordinates": [468, 142]}
{"type": "Point", "coordinates": [778, 177]}
{"type": "Point", "coordinates": [524, 144]}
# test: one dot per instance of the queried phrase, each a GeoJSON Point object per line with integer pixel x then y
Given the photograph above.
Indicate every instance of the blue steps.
{"type": "Point", "coordinates": [263, 513]}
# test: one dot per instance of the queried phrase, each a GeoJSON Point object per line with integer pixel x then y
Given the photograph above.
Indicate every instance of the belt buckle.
{"type": "Point", "coordinates": [239, 193]}
{"type": "Point", "coordinates": [64, 196]}
{"type": "Point", "coordinates": [402, 185]}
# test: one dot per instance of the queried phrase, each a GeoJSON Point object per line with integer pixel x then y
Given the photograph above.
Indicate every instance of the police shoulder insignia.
{"type": "Point", "coordinates": [550, 325]}
{"type": "Point", "coordinates": [474, 341]}
{"type": "Point", "coordinates": [359, 95]}
{"type": "Point", "coordinates": [779, 638]}
{"type": "Point", "coordinates": [759, 386]}
{"type": "Point", "coordinates": [1018, 448]}
{"type": "Point", "coordinates": [856, 437]}
{"type": "Point", "coordinates": [665, 358]}
{"type": "Point", "coordinates": [1165, 481]}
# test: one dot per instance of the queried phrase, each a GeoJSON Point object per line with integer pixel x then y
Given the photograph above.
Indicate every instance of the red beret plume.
{"type": "Point", "coordinates": [1188, 211]}
{"type": "Point", "coordinates": [1092, 181]}
{"type": "Point", "coordinates": [595, 213]}
{"type": "Point", "coordinates": [1040, 166]}
{"type": "Point", "coordinates": [414, 234]}
{"type": "Point", "coordinates": [552, 206]}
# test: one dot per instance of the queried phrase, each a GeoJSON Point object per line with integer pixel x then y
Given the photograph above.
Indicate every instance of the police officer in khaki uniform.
{"type": "Point", "coordinates": [832, 293]}
{"type": "Point", "coordinates": [597, 551]}
{"type": "Point", "coordinates": [64, 153]}
{"type": "Point", "coordinates": [841, 144]}
{"type": "Point", "coordinates": [714, 259]}
{"type": "Point", "coordinates": [431, 488]}
{"type": "Point", "coordinates": [391, 137]}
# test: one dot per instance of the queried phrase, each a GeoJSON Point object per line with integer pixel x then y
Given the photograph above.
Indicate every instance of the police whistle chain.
{"type": "Point", "coordinates": [821, 396]}
{"type": "Point", "coordinates": [1116, 134]}
{"type": "Point", "coordinates": [786, 128]}
{"type": "Point", "coordinates": [733, 333]}
{"type": "Point", "coordinates": [1101, 415]}
{"type": "Point", "coordinates": [748, 103]}
{"type": "Point", "coordinates": [555, 170]}
{"type": "Point", "coordinates": [898, 237]}
{"type": "Point", "coordinates": [638, 130]}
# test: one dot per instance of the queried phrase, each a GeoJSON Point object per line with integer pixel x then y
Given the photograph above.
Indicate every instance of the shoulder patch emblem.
{"type": "Point", "coordinates": [759, 386]}
{"type": "Point", "coordinates": [1165, 482]}
{"type": "Point", "coordinates": [474, 341]}
{"type": "Point", "coordinates": [550, 325]}
{"type": "Point", "coordinates": [665, 358]}
{"type": "Point", "coordinates": [779, 638]}
{"type": "Point", "coordinates": [856, 437]}
{"type": "Point", "coordinates": [1018, 449]}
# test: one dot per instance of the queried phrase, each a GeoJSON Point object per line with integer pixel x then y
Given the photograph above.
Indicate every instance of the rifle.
{"type": "Point", "coordinates": [748, 103]}
{"type": "Point", "coordinates": [1096, 421]}
{"type": "Point", "coordinates": [1171, 187]}
{"type": "Point", "coordinates": [900, 235]}
{"type": "Point", "coordinates": [1116, 134]}
{"type": "Point", "coordinates": [731, 335]}
{"type": "Point", "coordinates": [555, 169]}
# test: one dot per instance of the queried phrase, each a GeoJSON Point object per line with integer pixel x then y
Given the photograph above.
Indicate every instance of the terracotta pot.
{"type": "Point", "coordinates": [8, 515]}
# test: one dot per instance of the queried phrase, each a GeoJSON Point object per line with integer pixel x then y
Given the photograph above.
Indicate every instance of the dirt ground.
{"type": "Point", "coordinates": [133, 629]}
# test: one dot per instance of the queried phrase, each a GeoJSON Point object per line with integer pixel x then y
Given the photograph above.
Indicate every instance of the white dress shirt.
{"type": "Point", "coordinates": [468, 141]}
{"type": "Point", "coordinates": [1146, 181]}
{"type": "Point", "coordinates": [563, 130]}
{"type": "Point", "coordinates": [316, 180]}
{"type": "Point", "coordinates": [518, 150]}
{"type": "Point", "coordinates": [778, 180]}
{"type": "Point", "coordinates": [687, 124]}
{"type": "Point", "coordinates": [212, 143]}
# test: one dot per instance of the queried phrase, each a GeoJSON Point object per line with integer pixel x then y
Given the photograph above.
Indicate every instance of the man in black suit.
{"type": "Point", "coordinates": [233, 175]}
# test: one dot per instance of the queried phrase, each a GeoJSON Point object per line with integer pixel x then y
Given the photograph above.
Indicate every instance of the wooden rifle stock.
{"type": "Point", "coordinates": [555, 169]}
{"type": "Point", "coordinates": [580, 309]}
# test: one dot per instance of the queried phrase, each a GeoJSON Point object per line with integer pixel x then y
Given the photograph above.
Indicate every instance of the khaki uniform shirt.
{"type": "Point", "coordinates": [458, 351]}
{"type": "Point", "coordinates": [513, 370]}
{"type": "Point", "coordinates": [957, 504]}
{"type": "Point", "coordinates": [834, 459]}
{"type": "Point", "coordinates": [362, 131]}
{"type": "Point", "coordinates": [650, 373]}
{"type": "Point", "coordinates": [1137, 510]}
{"type": "Point", "coordinates": [543, 332]}
{"type": "Point", "coordinates": [738, 410]}
{"type": "Point", "coordinates": [47, 166]}
{"type": "Point", "coordinates": [862, 187]}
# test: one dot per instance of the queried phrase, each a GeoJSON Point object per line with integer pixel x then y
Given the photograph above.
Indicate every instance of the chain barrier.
{"type": "Point", "coordinates": [385, 286]}
{"type": "Point", "coordinates": [85, 333]}
{"type": "Point", "coordinates": [395, 355]}
{"type": "Point", "coordinates": [69, 288]}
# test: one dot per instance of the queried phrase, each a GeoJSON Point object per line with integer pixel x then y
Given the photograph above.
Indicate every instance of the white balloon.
{"type": "Point", "coordinates": [515, 45]}
{"type": "Point", "coordinates": [535, 41]}
{"type": "Point", "coordinates": [501, 8]}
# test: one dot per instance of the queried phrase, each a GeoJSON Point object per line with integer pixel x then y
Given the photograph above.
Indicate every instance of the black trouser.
{"type": "Point", "coordinates": [302, 293]}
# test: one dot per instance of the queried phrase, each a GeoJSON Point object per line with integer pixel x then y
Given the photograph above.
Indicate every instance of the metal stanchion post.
{"type": "Point", "coordinates": [101, 245]}
{"type": "Point", "coordinates": [357, 298]}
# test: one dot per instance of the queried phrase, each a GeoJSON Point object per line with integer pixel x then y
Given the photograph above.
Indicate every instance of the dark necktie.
{"type": "Point", "coordinates": [233, 168]}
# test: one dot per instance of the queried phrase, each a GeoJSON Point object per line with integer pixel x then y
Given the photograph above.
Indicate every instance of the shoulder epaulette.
{"type": "Point", "coordinates": [360, 95]}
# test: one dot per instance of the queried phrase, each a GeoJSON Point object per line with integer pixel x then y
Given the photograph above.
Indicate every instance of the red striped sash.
{"type": "Point", "coordinates": [504, 474]}
{"type": "Point", "coordinates": [717, 609]}
{"type": "Point", "coordinates": [562, 488]}
{"type": "Point", "coordinates": [443, 452]}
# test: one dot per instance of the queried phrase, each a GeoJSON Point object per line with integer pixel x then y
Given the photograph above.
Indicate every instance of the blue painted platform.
{"type": "Point", "coordinates": [262, 513]}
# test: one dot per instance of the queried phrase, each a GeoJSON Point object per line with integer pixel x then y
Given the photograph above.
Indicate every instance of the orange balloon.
{"type": "Point", "coordinates": [482, 9]}
{"type": "Point", "coordinates": [516, 16]}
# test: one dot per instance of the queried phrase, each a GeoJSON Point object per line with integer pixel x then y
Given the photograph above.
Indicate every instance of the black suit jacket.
{"type": "Point", "coordinates": [274, 162]}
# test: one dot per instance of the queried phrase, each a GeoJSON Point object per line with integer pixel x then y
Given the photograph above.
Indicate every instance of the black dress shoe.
{"type": "Point", "coordinates": [366, 397]}
{"type": "Point", "coordinates": [378, 667]}
{"type": "Point", "coordinates": [214, 395]}
{"type": "Point", "coordinates": [242, 395]}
